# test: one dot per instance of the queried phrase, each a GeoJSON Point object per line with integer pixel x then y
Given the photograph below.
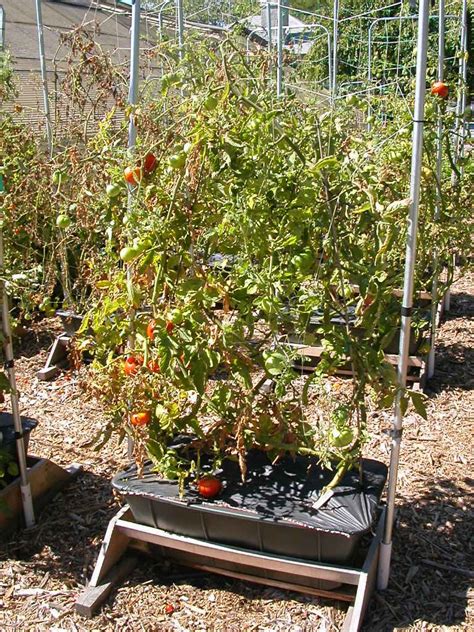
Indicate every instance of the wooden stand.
{"type": "Point", "coordinates": [124, 535]}
{"type": "Point", "coordinates": [416, 364]}
{"type": "Point", "coordinates": [46, 480]}
{"type": "Point", "coordinates": [57, 358]}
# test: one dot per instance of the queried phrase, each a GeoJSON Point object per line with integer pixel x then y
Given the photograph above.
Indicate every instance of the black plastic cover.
{"type": "Point", "coordinates": [283, 493]}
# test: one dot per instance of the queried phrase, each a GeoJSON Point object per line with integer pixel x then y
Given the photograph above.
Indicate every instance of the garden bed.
{"type": "Point", "coordinates": [272, 511]}
{"type": "Point", "coordinates": [41, 572]}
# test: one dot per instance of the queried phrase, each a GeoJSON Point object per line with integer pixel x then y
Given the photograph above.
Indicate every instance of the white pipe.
{"type": "Point", "coordinates": [460, 127]}
{"type": "Point", "coordinates": [269, 26]}
{"type": "Point", "coordinates": [27, 501]}
{"type": "Point", "coordinates": [335, 47]}
{"type": "Point", "coordinates": [410, 257]}
{"type": "Point", "coordinates": [280, 44]}
{"type": "Point", "coordinates": [439, 166]}
{"type": "Point", "coordinates": [180, 26]}
{"type": "Point", "coordinates": [134, 61]}
{"type": "Point", "coordinates": [132, 130]}
{"type": "Point", "coordinates": [44, 76]}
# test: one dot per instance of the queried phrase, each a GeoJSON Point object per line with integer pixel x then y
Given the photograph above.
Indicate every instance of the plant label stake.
{"type": "Point", "coordinates": [26, 497]}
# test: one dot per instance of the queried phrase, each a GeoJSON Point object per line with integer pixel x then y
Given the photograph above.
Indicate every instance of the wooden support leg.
{"type": "Point", "coordinates": [56, 358]}
{"type": "Point", "coordinates": [366, 586]}
{"type": "Point", "coordinates": [110, 568]}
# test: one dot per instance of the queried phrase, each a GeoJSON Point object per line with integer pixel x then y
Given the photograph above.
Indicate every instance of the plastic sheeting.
{"type": "Point", "coordinates": [281, 493]}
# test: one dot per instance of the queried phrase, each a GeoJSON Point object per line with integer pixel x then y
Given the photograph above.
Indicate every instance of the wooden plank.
{"type": "Point", "coordinates": [113, 547]}
{"type": "Point", "coordinates": [58, 357]}
{"type": "Point", "coordinates": [92, 597]}
{"type": "Point", "coordinates": [237, 555]}
{"type": "Point", "coordinates": [316, 352]}
{"type": "Point", "coordinates": [46, 479]}
{"type": "Point", "coordinates": [368, 576]}
{"type": "Point", "coordinates": [336, 594]}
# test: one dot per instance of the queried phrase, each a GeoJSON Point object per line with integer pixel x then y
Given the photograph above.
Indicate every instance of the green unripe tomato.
{"type": "Point", "coordinates": [275, 363]}
{"type": "Point", "coordinates": [63, 221]}
{"type": "Point", "coordinates": [211, 103]}
{"type": "Point", "coordinates": [303, 261]}
{"type": "Point", "coordinates": [176, 316]}
{"type": "Point", "coordinates": [128, 254]}
{"type": "Point", "coordinates": [351, 99]}
{"type": "Point", "coordinates": [341, 438]}
{"type": "Point", "coordinates": [59, 177]}
{"type": "Point", "coordinates": [177, 161]}
{"type": "Point", "coordinates": [113, 190]}
{"type": "Point", "coordinates": [140, 245]}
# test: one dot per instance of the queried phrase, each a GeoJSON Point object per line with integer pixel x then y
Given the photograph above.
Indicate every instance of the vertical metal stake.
{"type": "Point", "coordinates": [44, 77]}
{"type": "Point", "coordinates": [132, 130]}
{"type": "Point", "coordinates": [410, 257]}
{"type": "Point", "coordinates": [439, 175]}
{"type": "Point", "coordinates": [280, 44]}
{"type": "Point", "coordinates": [335, 46]}
{"type": "Point", "coordinates": [180, 26]}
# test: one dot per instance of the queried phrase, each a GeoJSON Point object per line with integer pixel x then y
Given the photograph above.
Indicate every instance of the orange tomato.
{"type": "Point", "coordinates": [150, 330]}
{"type": "Point", "coordinates": [133, 175]}
{"type": "Point", "coordinates": [440, 89]}
{"type": "Point", "coordinates": [141, 419]}
{"type": "Point", "coordinates": [153, 366]}
{"type": "Point", "coordinates": [132, 365]}
{"type": "Point", "coordinates": [149, 163]}
{"type": "Point", "coordinates": [209, 486]}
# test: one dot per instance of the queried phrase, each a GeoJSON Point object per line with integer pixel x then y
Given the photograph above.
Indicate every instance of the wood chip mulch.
{"type": "Point", "coordinates": [43, 570]}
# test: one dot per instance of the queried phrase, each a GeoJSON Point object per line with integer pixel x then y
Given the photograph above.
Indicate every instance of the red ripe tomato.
{"type": "Point", "coordinates": [153, 366]}
{"type": "Point", "coordinates": [169, 608]}
{"type": "Point", "coordinates": [132, 364]}
{"type": "Point", "coordinates": [209, 486]}
{"type": "Point", "coordinates": [149, 163]}
{"type": "Point", "coordinates": [440, 89]}
{"type": "Point", "coordinates": [169, 327]}
{"type": "Point", "coordinates": [133, 175]}
{"type": "Point", "coordinates": [141, 419]}
{"type": "Point", "coordinates": [150, 330]}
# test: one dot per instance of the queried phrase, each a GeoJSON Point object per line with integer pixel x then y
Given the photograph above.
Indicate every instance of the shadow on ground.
{"type": "Point", "coordinates": [432, 561]}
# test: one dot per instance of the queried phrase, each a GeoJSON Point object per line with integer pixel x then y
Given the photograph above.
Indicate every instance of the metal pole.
{"type": "Point", "coordinates": [439, 164]}
{"type": "Point", "coordinates": [269, 26]}
{"type": "Point", "coordinates": [25, 488]}
{"type": "Point", "coordinates": [335, 45]}
{"type": "Point", "coordinates": [462, 94]}
{"type": "Point", "coordinates": [280, 44]}
{"type": "Point", "coordinates": [369, 74]}
{"type": "Point", "coordinates": [410, 257]}
{"type": "Point", "coordinates": [44, 77]}
{"type": "Point", "coordinates": [180, 26]}
{"type": "Point", "coordinates": [460, 110]}
{"type": "Point", "coordinates": [134, 59]}
{"type": "Point", "coordinates": [132, 130]}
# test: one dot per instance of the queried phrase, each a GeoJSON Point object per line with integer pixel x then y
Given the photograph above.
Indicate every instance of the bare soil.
{"type": "Point", "coordinates": [43, 569]}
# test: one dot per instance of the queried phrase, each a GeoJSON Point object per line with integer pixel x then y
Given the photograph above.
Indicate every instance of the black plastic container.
{"type": "Point", "coordinates": [7, 432]}
{"type": "Point", "coordinates": [271, 512]}
{"type": "Point", "coordinates": [70, 321]}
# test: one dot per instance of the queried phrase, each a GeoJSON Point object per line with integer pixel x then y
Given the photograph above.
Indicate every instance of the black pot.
{"type": "Point", "coordinates": [7, 432]}
{"type": "Point", "coordinates": [271, 512]}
